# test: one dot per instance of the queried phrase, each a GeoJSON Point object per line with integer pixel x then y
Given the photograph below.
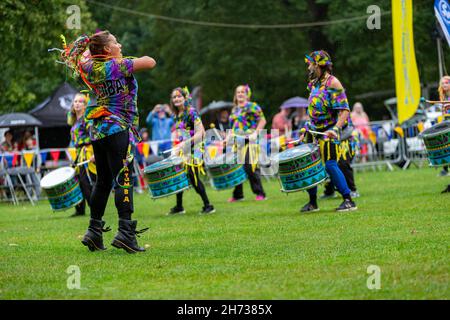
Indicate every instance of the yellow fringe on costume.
{"type": "Point", "coordinates": [253, 150]}
{"type": "Point", "coordinates": [341, 149]}
{"type": "Point", "coordinates": [192, 164]}
{"type": "Point", "coordinates": [86, 152]}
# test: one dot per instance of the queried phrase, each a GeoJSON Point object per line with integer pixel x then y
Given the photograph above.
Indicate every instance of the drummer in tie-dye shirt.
{"type": "Point", "coordinates": [98, 60]}
{"type": "Point", "coordinates": [81, 141]}
{"type": "Point", "coordinates": [329, 113]}
{"type": "Point", "coordinates": [187, 135]}
{"type": "Point", "coordinates": [246, 119]}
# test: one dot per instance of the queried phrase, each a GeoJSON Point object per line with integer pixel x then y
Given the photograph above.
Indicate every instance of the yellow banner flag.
{"type": "Point", "coordinates": [145, 149]}
{"type": "Point", "coordinates": [407, 84]}
{"type": "Point", "coordinates": [73, 153]}
{"type": "Point", "coordinates": [28, 156]}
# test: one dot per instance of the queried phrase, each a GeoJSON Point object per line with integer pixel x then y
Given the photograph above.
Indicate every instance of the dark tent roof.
{"type": "Point", "coordinates": [52, 112]}
{"type": "Point", "coordinates": [14, 120]}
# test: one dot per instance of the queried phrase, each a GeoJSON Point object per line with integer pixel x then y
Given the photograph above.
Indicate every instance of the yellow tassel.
{"type": "Point", "coordinates": [321, 146]}
{"type": "Point", "coordinates": [328, 148]}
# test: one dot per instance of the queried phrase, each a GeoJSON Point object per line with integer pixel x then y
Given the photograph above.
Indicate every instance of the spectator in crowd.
{"type": "Point", "coordinates": [281, 122]}
{"type": "Point", "coordinates": [360, 121]}
{"type": "Point", "coordinates": [222, 122]}
{"type": "Point", "coordinates": [299, 118]}
{"type": "Point", "coordinates": [160, 119]}
{"type": "Point", "coordinates": [9, 145]}
{"type": "Point", "coordinates": [27, 135]}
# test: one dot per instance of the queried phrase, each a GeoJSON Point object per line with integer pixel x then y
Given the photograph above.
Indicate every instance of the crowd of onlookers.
{"type": "Point", "coordinates": [25, 141]}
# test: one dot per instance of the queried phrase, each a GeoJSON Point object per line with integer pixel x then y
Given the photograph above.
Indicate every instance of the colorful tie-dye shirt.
{"type": "Point", "coordinates": [325, 103]}
{"type": "Point", "coordinates": [79, 133]}
{"type": "Point", "coordinates": [184, 128]}
{"type": "Point", "coordinates": [116, 90]}
{"type": "Point", "coordinates": [244, 120]}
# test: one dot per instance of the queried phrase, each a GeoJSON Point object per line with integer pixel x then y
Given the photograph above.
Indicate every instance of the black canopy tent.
{"type": "Point", "coordinates": [52, 112]}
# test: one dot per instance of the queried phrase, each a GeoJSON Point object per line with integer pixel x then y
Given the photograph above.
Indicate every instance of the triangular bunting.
{"type": "Point", "coordinates": [139, 147]}
{"type": "Point", "coordinates": [43, 156]}
{"type": "Point", "coordinates": [146, 149]}
{"type": "Point", "coordinates": [72, 153]}
{"type": "Point", "coordinates": [28, 156]}
{"type": "Point", "coordinates": [55, 155]}
{"type": "Point", "coordinates": [154, 146]}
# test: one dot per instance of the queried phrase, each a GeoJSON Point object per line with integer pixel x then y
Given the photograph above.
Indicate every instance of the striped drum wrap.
{"type": "Point", "coordinates": [62, 188]}
{"type": "Point", "coordinates": [300, 168]}
{"type": "Point", "coordinates": [437, 143]}
{"type": "Point", "coordinates": [166, 177]}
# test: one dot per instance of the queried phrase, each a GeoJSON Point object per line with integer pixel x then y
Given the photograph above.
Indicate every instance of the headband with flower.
{"type": "Point", "coordinates": [321, 58]}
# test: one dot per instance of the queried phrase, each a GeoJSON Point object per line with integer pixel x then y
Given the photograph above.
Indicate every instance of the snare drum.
{"type": "Point", "coordinates": [300, 168]}
{"type": "Point", "coordinates": [62, 188]}
{"type": "Point", "coordinates": [166, 177]}
{"type": "Point", "coordinates": [437, 143]}
{"type": "Point", "coordinates": [225, 175]}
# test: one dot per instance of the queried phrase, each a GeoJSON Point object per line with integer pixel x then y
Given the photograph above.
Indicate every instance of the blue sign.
{"type": "Point", "coordinates": [442, 11]}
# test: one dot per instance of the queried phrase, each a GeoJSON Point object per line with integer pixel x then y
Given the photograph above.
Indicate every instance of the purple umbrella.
{"type": "Point", "coordinates": [295, 102]}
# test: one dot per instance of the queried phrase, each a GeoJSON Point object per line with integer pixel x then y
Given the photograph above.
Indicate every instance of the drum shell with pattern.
{"type": "Point", "coordinates": [62, 188]}
{"type": "Point", "coordinates": [300, 168]}
{"type": "Point", "coordinates": [226, 173]}
{"type": "Point", "coordinates": [437, 143]}
{"type": "Point", "coordinates": [166, 177]}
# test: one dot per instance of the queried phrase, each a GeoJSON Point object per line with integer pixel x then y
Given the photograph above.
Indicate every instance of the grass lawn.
{"type": "Point", "coordinates": [246, 250]}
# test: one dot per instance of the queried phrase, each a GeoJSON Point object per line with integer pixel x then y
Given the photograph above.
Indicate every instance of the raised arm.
{"type": "Point", "coordinates": [143, 63]}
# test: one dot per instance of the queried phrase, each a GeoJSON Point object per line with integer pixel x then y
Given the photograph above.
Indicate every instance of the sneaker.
{"type": "Point", "coordinates": [347, 205]}
{"type": "Point", "coordinates": [309, 207]}
{"type": "Point", "coordinates": [260, 197]}
{"type": "Point", "coordinates": [208, 209]}
{"type": "Point", "coordinates": [443, 173]}
{"type": "Point", "coordinates": [354, 194]}
{"type": "Point", "coordinates": [328, 196]}
{"type": "Point", "coordinates": [232, 199]}
{"type": "Point", "coordinates": [176, 210]}
{"type": "Point", "coordinates": [446, 190]}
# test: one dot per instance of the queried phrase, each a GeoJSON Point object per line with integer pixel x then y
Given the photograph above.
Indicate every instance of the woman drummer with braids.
{"type": "Point", "coordinates": [329, 112]}
{"type": "Point", "coordinates": [246, 119]}
{"type": "Point", "coordinates": [80, 140]}
{"type": "Point", "coordinates": [187, 134]}
{"type": "Point", "coordinates": [99, 62]}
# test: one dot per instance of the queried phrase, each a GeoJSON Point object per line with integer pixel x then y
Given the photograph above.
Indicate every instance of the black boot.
{"type": "Point", "coordinates": [93, 238]}
{"type": "Point", "coordinates": [126, 237]}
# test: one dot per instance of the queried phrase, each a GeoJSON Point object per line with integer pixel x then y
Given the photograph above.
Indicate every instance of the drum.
{"type": "Point", "coordinates": [62, 188]}
{"type": "Point", "coordinates": [300, 168]}
{"type": "Point", "coordinates": [166, 177]}
{"type": "Point", "coordinates": [437, 143]}
{"type": "Point", "coordinates": [225, 175]}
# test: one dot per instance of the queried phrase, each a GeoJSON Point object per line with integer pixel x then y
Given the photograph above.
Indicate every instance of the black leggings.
{"type": "Point", "coordinates": [199, 188]}
{"type": "Point", "coordinates": [253, 177]}
{"type": "Point", "coordinates": [86, 188]}
{"type": "Point", "coordinates": [109, 154]}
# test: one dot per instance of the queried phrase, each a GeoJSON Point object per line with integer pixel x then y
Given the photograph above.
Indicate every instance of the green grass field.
{"type": "Point", "coordinates": [246, 250]}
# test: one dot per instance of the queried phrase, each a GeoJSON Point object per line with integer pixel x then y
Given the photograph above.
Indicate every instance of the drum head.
{"type": "Point", "coordinates": [163, 164]}
{"type": "Point", "coordinates": [296, 152]}
{"type": "Point", "coordinates": [57, 177]}
{"type": "Point", "coordinates": [437, 129]}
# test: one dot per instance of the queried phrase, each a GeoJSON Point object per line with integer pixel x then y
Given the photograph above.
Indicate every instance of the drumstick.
{"type": "Point", "coordinates": [82, 163]}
